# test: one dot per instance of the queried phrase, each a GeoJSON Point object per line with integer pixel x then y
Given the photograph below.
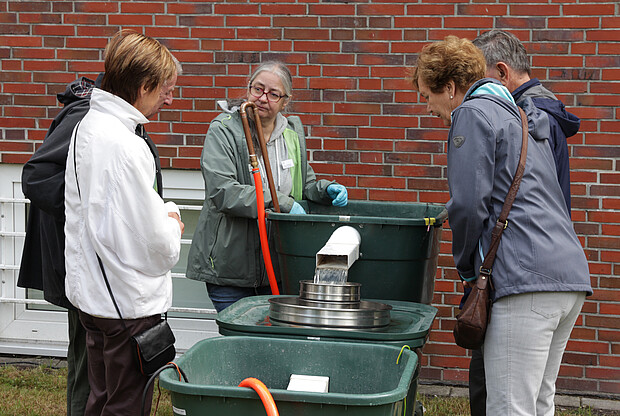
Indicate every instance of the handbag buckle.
{"type": "Point", "coordinates": [485, 271]}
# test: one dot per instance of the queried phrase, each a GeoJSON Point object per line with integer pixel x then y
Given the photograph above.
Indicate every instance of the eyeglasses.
{"type": "Point", "coordinates": [271, 96]}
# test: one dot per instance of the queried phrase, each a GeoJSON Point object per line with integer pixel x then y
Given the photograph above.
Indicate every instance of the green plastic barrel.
{"type": "Point", "coordinates": [364, 379]}
{"type": "Point", "coordinates": [398, 249]}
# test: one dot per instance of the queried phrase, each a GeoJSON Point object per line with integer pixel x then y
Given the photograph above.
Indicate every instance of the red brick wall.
{"type": "Point", "coordinates": [366, 128]}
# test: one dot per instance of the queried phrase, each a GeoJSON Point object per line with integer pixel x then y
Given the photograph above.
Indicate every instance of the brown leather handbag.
{"type": "Point", "coordinates": [472, 321]}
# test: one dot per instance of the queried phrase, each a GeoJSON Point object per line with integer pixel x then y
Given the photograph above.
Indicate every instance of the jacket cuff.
{"type": "Point", "coordinates": [468, 279]}
{"type": "Point", "coordinates": [285, 202]}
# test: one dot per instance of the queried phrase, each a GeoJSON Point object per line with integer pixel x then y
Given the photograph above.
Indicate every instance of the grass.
{"type": "Point", "coordinates": [40, 391]}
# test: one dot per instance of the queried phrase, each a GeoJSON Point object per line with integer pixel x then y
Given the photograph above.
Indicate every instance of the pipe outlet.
{"type": "Point", "coordinates": [341, 250]}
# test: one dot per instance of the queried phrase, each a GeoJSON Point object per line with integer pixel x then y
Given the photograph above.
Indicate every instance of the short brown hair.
{"type": "Point", "coordinates": [133, 60]}
{"type": "Point", "coordinates": [452, 59]}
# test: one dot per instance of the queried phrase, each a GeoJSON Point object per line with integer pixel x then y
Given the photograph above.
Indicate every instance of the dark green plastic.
{"type": "Point", "coordinates": [398, 251]}
{"type": "Point", "coordinates": [364, 379]}
{"type": "Point", "coordinates": [410, 325]}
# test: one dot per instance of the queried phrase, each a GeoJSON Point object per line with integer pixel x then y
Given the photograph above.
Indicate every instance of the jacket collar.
{"type": "Point", "coordinates": [107, 103]}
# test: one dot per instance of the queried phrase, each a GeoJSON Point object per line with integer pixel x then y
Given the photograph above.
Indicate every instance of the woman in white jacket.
{"type": "Point", "coordinates": [114, 212]}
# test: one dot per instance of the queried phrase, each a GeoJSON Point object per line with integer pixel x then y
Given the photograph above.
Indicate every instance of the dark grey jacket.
{"type": "Point", "coordinates": [539, 250]}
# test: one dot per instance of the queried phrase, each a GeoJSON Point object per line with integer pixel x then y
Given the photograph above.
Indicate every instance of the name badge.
{"type": "Point", "coordinates": [287, 164]}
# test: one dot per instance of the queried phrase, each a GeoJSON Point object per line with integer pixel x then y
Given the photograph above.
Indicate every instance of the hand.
{"type": "Point", "coordinates": [297, 209]}
{"type": "Point", "coordinates": [338, 194]}
{"type": "Point", "coordinates": [176, 217]}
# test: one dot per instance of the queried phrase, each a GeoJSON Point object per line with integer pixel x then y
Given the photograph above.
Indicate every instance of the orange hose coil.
{"type": "Point", "coordinates": [263, 393]}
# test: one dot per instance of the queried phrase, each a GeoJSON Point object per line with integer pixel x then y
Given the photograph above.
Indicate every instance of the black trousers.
{"type": "Point", "coordinates": [477, 385]}
{"type": "Point", "coordinates": [78, 388]}
{"type": "Point", "coordinates": [116, 384]}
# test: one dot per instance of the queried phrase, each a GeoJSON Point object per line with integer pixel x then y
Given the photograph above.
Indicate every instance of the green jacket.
{"type": "Point", "coordinates": [225, 247]}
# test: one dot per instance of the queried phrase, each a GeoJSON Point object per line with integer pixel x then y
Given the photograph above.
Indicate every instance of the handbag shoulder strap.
{"type": "Point", "coordinates": [502, 221]}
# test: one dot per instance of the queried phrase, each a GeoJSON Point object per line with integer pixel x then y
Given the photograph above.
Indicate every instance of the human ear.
{"type": "Point", "coordinates": [502, 71]}
{"type": "Point", "coordinates": [451, 89]}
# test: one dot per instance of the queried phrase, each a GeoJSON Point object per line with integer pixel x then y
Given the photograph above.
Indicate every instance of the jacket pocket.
{"type": "Point", "coordinates": [212, 246]}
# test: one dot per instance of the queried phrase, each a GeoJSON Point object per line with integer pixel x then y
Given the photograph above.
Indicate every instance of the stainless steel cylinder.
{"type": "Point", "coordinates": [325, 292]}
{"type": "Point", "coordinates": [296, 311]}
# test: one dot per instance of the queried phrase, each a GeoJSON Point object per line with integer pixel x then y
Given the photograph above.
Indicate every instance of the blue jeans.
{"type": "Point", "coordinates": [224, 296]}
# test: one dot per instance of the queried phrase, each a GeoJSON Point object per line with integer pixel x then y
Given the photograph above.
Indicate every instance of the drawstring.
{"type": "Point", "coordinates": [275, 143]}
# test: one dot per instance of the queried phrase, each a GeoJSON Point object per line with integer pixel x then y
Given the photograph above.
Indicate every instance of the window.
{"type": "Point", "coordinates": [29, 325]}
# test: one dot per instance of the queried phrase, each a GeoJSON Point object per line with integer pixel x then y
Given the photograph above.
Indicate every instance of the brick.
{"type": "Point", "coordinates": [331, 9]}
{"type": "Point", "coordinates": [392, 195]}
{"type": "Point", "coordinates": [246, 45]}
{"type": "Point", "coordinates": [407, 158]}
{"type": "Point", "coordinates": [379, 182]}
{"type": "Point", "coordinates": [296, 21]}
{"type": "Point", "coordinates": [343, 71]}
{"type": "Point", "coordinates": [307, 34]}
{"type": "Point", "coordinates": [368, 169]}
{"type": "Point", "coordinates": [96, 7]}
{"type": "Point", "coordinates": [468, 22]}
{"type": "Point", "coordinates": [357, 108]}
{"type": "Point", "coordinates": [14, 158]}
{"type": "Point", "coordinates": [611, 336]}
{"type": "Point", "coordinates": [308, 46]}
{"type": "Point", "coordinates": [332, 83]}
{"type": "Point", "coordinates": [33, 6]}
{"type": "Point", "coordinates": [380, 133]}
{"type": "Point", "coordinates": [602, 35]}
{"type": "Point", "coordinates": [573, 22]}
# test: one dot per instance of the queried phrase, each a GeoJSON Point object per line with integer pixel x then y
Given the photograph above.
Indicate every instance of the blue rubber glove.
{"type": "Point", "coordinates": [297, 209]}
{"type": "Point", "coordinates": [338, 194]}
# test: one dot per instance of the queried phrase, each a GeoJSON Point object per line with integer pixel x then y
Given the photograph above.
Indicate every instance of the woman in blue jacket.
{"type": "Point", "coordinates": [540, 274]}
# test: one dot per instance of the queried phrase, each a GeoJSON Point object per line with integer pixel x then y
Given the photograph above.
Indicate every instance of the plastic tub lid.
{"type": "Point", "coordinates": [250, 315]}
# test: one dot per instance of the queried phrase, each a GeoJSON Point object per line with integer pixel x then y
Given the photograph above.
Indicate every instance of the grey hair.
{"type": "Point", "coordinates": [177, 64]}
{"type": "Point", "coordinates": [501, 46]}
{"type": "Point", "coordinates": [278, 68]}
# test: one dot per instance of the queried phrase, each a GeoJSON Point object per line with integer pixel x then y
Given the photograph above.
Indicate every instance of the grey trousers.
{"type": "Point", "coordinates": [523, 350]}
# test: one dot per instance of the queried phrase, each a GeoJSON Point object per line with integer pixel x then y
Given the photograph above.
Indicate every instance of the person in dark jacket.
{"type": "Point", "coordinates": [507, 61]}
{"type": "Point", "coordinates": [43, 258]}
{"type": "Point", "coordinates": [537, 290]}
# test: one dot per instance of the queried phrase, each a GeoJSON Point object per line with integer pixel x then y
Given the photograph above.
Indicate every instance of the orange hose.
{"type": "Point", "coordinates": [263, 393]}
{"type": "Point", "coordinates": [262, 231]}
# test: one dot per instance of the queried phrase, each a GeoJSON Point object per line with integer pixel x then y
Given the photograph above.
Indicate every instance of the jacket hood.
{"type": "Point", "coordinates": [569, 123]}
{"type": "Point", "coordinates": [78, 90]}
{"type": "Point", "coordinates": [546, 101]}
{"type": "Point", "coordinates": [538, 123]}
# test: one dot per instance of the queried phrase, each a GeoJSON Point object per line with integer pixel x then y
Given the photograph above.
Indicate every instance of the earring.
{"type": "Point", "coordinates": [451, 97]}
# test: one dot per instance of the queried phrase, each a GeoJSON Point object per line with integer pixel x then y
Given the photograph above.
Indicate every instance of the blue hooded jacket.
{"type": "Point", "coordinates": [562, 124]}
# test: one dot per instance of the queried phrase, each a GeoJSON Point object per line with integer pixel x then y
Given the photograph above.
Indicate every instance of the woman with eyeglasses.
{"type": "Point", "coordinates": [225, 251]}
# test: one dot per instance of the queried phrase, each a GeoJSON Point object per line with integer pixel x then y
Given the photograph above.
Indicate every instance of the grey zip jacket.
{"type": "Point", "coordinates": [225, 247]}
{"type": "Point", "coordinates": [539, 250]}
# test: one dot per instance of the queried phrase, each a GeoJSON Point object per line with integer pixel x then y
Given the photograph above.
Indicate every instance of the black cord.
{"type": "Point", "coordinates": [152, 379]}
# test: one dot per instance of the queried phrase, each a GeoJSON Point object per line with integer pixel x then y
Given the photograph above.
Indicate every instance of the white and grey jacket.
{"type": "Point", "coordinates": [117, 214]}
